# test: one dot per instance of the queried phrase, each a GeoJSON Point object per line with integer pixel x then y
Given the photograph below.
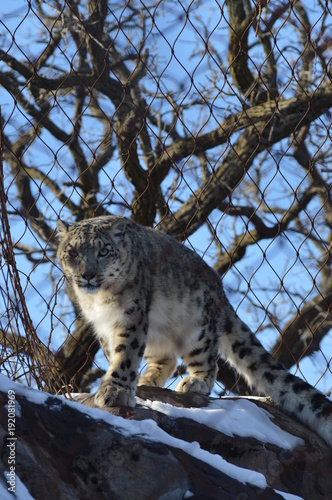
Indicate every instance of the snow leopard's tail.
{"type": "Point", "coordinates": [267, 375]}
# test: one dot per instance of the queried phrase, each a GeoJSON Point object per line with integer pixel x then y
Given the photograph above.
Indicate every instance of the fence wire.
{"type": "Point", "coordinates": [209, 120]}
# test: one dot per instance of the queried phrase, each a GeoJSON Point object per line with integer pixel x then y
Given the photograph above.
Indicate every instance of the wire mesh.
{"type": "Point", "coordinates": [209, 120]}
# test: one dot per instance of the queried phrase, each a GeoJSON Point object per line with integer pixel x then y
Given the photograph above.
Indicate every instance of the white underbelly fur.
{"type": "Point", "coordinates": [171, 327]}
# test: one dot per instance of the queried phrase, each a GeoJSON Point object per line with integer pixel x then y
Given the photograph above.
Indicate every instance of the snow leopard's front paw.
{"type": "Point", "coordinates": [152, 380]}
{"type": "Point", "coordinates": [194, 384]}
{"type": "Point", "coordinates": [110, 394]}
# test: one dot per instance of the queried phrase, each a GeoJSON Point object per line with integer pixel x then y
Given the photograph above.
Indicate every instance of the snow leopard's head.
{"type": "Point", "coordinates": [93, 253]}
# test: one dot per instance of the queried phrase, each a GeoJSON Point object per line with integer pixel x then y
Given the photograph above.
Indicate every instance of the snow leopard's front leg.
{"type": "Point", "coordinates": [161, 367]}
{"type": "Point", "coordinates": [125, 346]}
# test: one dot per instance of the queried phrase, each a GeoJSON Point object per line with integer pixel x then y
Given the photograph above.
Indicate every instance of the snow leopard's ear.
{"type": "Point", "coordinates": [62, 229]}
{"type": "Point", "coordinates": [120, 227]}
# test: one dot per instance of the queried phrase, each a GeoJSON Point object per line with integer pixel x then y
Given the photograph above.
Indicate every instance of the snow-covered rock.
{"type": "Point", "coordinates": [171, 446]}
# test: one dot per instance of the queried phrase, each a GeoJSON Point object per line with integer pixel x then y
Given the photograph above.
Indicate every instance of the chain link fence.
{"type": "Point", "coordinates": [209, 120]}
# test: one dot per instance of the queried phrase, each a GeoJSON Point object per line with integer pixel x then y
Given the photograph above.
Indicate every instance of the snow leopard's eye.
{"type": "Point", "coordinates": [103, 252]}
{"type": "Point", "coordinates": [72, 253]}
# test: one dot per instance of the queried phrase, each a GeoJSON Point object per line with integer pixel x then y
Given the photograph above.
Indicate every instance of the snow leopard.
{"type": "Point", "coordinates": [146, 294]}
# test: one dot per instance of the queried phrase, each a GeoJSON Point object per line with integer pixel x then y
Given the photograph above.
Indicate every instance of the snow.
{"type": "Point", "coordinates": [238, 417]}
{"type": "Point", "coordinates": [226, 415]}
{"type": "Point", "coordinates": [4, 493]}
{"type": "Point", "coordinates": [188, 494]}
{"type": "Point", "coordinates": [288, 496]}
{"type": "Point", "coordinates": [21, 491]}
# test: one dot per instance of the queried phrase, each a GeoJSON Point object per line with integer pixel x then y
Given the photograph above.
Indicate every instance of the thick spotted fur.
{"type": "Point", "coordinates": [146, 294]}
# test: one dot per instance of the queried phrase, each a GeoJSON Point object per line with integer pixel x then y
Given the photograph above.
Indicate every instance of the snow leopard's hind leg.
{"type": "Point", "coordinates": [201, 362]}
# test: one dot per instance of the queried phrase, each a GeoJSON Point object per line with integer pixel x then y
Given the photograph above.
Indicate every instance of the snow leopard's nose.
{"type": "Point", "coordinates": [88, 275]}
